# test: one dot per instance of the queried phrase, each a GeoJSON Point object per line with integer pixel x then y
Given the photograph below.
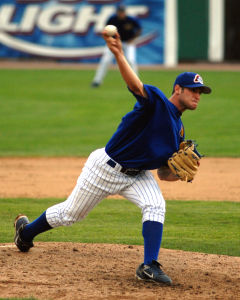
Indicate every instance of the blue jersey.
{"type": "Point", "coordinates": [127, 27]}
{"type": "Point", "coordinates": [149, 134]}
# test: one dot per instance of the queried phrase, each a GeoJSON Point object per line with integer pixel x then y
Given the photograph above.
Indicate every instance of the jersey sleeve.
{"type": "Point", "coordinates": [153, 95]}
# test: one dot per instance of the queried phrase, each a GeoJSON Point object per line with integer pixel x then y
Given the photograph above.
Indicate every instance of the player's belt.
{"type": "Point", "coordinates": [126, 171]}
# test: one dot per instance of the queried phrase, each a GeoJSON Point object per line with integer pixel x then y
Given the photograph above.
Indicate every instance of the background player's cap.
{"type": "Point", "coordinates": [121, 8]}
{"type": "Point", "coordinates": [191, 80]}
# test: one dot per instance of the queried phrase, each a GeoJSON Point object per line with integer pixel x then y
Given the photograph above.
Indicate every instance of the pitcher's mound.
{"type": "Point", "coordinates": [99, 271]}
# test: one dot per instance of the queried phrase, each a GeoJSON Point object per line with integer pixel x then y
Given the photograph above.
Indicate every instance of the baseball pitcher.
{"type": "Point", "coordinates": [151, 136]}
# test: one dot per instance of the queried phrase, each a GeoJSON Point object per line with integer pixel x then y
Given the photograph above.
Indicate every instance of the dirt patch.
{"type": "Point", "coordinates": [218, 179]}
{"type": "Point", "coordinates": [53, 65]}
{"type": "Point", "coordinates": [93, 271]}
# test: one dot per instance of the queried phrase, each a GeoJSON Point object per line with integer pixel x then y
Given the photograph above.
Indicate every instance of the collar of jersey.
{"type": "Point", "coordinates": [174, 109]}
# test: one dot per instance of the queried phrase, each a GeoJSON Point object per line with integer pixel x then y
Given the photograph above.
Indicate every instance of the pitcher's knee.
{"type": "Point", "coordinates": [153, 214]}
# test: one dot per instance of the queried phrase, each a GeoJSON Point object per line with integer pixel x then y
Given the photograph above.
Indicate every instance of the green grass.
{"type": "Point", "coordinates": [210, 227]}
{"type": "Point", "coordinates": [56, 113]}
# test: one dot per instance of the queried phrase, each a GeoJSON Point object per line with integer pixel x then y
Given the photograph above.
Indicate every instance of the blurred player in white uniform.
{"type": "Point", "coordinates": [129, 29]}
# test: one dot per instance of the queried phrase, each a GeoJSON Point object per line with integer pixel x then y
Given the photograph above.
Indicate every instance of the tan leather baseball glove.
{"type": "Point", "coordinates": [184, 163]}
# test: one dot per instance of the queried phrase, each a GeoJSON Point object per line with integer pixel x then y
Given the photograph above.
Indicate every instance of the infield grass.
{"type": "Point", "coordinates": [210, 227]}
{"type": "Point", "coordinates": [57, 113]}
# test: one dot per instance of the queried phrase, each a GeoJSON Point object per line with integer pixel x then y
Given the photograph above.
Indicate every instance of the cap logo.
{"type": "Point", "coordinates": [198, 79]}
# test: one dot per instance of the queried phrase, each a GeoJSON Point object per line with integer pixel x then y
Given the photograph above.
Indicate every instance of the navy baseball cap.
{"type": "Point", "coordinates": [192, 80]}
{"type": "Point", "coordinates": [121, 8]}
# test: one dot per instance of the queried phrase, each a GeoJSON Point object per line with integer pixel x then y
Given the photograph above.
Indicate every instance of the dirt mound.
{"type": "Point", "coordinates": [56, 177]}
{"type": "Point", "coordinates": [100, 271]}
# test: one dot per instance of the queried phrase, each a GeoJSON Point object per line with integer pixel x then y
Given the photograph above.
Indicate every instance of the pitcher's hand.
{"type": "Point", "coordinates": [113, 43]}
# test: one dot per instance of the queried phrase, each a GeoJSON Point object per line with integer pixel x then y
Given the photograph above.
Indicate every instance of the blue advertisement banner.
{"type": "Point", "coordinates": [71, 29]}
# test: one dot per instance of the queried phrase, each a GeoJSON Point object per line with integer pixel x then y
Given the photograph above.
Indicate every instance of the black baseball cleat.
{"type": "Point", "coordinates": [95, 84]}
{"type": "Point", "coordinates": [20, 222]}
{"type": "Point", "coordinates": [153, 272]}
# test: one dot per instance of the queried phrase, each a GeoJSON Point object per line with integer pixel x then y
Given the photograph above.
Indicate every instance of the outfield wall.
{"type": "Point", "coordinates": [67, 30]}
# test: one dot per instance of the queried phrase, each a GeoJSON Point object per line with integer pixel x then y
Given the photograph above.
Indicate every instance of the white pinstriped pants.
{"type": "Point", "coordinates": [97, 181]}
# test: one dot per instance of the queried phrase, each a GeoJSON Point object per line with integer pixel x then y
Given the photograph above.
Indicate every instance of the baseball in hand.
{"type": "Point", "coordinates": [110, 30]}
